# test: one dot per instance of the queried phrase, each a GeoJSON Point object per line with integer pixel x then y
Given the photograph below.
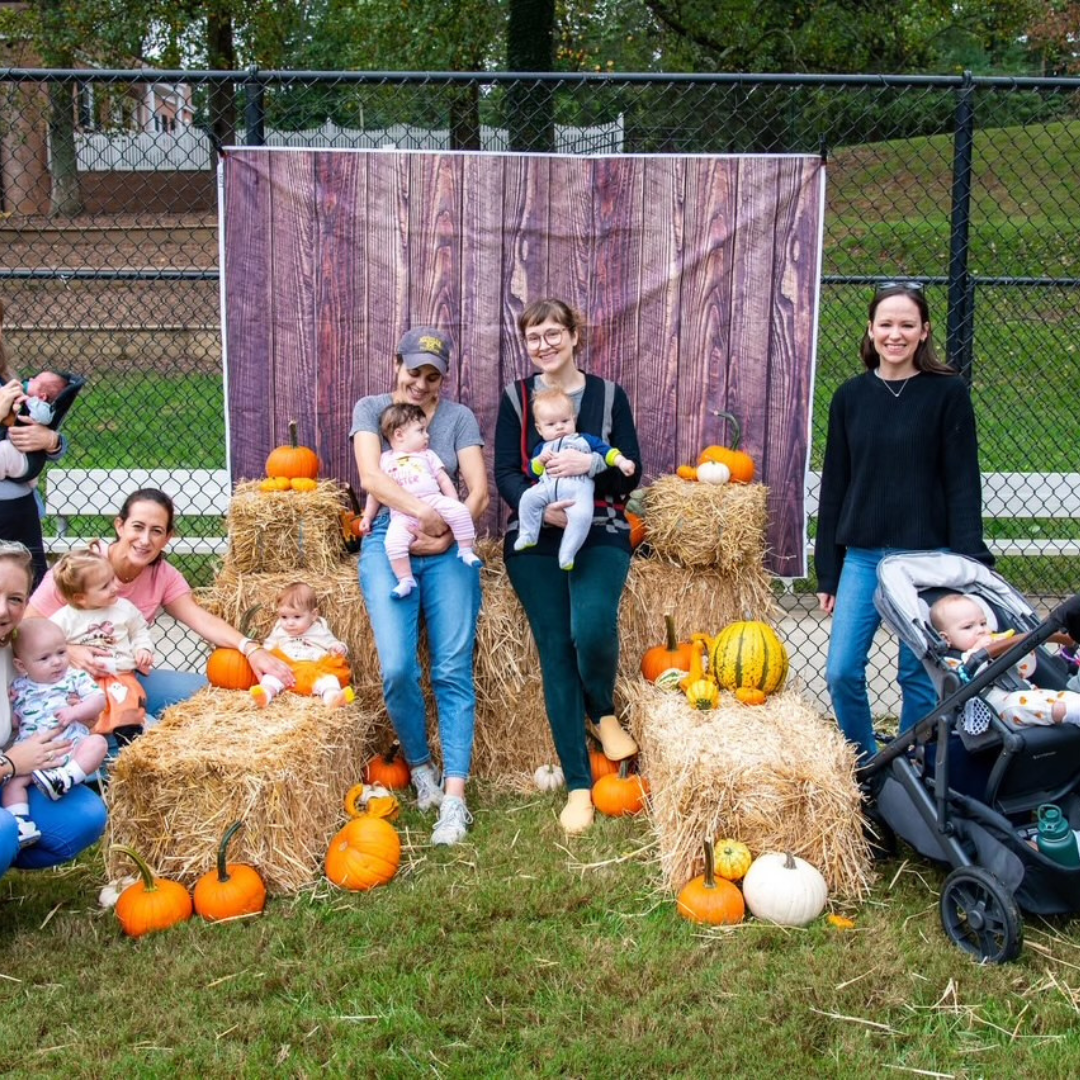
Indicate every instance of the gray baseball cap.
{"type": "Point", "coordinates": [425, 345]}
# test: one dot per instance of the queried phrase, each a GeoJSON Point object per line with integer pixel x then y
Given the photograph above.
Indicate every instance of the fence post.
{"type": "Point", "coordinates": [254, 109]}
{"type": "Point", "coordinates": [961, 320]}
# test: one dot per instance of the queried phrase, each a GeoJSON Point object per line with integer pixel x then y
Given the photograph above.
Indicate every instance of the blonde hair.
{"type": "Point", "coordinates": [19, 554]}
{"type": "Point", "coordinates": [298, 595]}
{"type": "Point", "coordinates": [551, 398]}
{"type": "Point", "coordinates": [943, 603]}
{"type": "Point", "coordinates": [75, 569]}
{"type": "Point", "coordinates": [30, 631]}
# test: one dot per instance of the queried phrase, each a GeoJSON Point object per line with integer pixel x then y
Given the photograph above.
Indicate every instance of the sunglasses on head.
{"type": "Point", "coordinates": [913, 286]}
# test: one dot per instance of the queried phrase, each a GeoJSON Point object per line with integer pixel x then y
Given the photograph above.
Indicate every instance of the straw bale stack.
{"type": "Point", "coordinates": [707, 525]}
{"type": "Point", "coordinates": [215, 759]}
{"type": "Point", "coordinates": [280, 531]}
{"type": "Point", "coordinates": [778, 777]}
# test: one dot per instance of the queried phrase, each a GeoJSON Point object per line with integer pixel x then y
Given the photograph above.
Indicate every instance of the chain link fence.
{"type": "Point", "coordinates": [110, 256]}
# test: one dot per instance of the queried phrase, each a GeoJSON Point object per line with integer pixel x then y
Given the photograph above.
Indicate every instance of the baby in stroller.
{"type": "Point", "coordinates": [963, 623]}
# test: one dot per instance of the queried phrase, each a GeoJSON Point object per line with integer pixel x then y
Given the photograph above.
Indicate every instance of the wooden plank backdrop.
{"type": "Point", "coordinates": [697, 277]}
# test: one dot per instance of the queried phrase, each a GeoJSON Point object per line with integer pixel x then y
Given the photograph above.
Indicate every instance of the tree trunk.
{"type": "Point", "coordinates": [221, 56]}
{"type": "Point", "coordinates": [530, 32]}
{"type": "Point", "coordinates": [66, 198]}
{"type": "Point", "coordinates": [465, 117]}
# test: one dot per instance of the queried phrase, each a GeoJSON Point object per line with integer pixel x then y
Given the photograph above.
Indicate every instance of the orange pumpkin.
{"type": "Point", "coordinates": [152, 903]}
{"type": "Point", "coordinates": [389, 769]}
{"type": "Point", "coordinates": [292, 461]}
{"type": "Point", "coordinates": [228, 669]}
{"type": "Point", "coordinates": [232, 890]}
{"type": "Point", "coordinates": [620, 794]}
{"type": "Point", "coordinates": [637, 528]}
{"type": "Point", "coordinates": [675, 654]}
{"type": "Point", "coordinates": [366, 853]}
{"type": "Point", "coordinates": [686, 472]}
{"type": "Point", "coordinates": [601, 765]}
{"type": "Point", "coordinates": [740, 464]}
{"type": "Point", "coordinates": [709, 899]}
{"type": "Point", "coordinates": [750, 695]}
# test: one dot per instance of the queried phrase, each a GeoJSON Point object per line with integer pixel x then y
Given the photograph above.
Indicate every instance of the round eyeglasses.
{"type": "Point", "coordinates": [551, 337]}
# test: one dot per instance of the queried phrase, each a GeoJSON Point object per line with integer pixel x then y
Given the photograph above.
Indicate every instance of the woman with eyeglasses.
{"type": "Point", "coordinates": [901, 473]}
{"type": "Point", "coordinates": [447, 591]}
{"type": "Point", "coordinates": [75, 820]}
{"type": "Point", "coordinates": [573, 613]}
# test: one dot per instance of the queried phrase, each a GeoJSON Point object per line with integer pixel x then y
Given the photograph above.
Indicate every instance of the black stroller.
{"type": "Point", "coordinates": [963, 784]}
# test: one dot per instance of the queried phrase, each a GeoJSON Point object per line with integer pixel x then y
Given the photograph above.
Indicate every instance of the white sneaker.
{"type": "Point", "coordinates": [429, 792]}
{"type": "Point", "coordinates": [29, 833]}
{"type": "Point", "coordinates": [453, 824]}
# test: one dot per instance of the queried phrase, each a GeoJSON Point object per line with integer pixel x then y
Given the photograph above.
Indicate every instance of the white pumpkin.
{"type": "Point", "coordinates": [713, 472]}
{"type": "Point", "coordinates": [548, 778]}
{"type": "Point", "coordinates": [784, 889]}
{"type": "Point", "coordinates": [111, 893]}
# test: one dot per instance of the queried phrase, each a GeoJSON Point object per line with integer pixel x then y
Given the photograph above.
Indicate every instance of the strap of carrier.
{"type": "Point", "coordinates": [518, 394]}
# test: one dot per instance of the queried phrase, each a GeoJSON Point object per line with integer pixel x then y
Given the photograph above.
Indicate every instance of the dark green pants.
{"type": "Point", "coordinates": [574, 617]}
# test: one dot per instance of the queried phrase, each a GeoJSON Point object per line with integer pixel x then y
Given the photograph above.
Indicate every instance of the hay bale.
{"type": "Point", "coordinates": [281, 531]}
{"type": "Point", "coordinates": [778, 776]}
{"type": "Point", "coordinates": [703, 600]}
{"type": "Point", "coordinates": [215, 759]}
{"type": "Point", "coordinates": [702, 525]}
{"type": "Point", "coordinates": [341, 603]}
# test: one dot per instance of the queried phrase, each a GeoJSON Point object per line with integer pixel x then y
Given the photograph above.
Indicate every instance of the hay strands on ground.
{"type": "Point", "coordinates": [778, 777]}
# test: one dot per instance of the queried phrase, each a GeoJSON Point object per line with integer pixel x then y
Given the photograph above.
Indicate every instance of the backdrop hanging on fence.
{"type": "Point", "coordinates": [697, 277]}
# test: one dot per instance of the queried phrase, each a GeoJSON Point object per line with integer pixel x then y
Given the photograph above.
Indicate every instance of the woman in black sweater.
{"type": "Point", "coordinates": [901, 473]}
{"type": "Point", "coordinates": [573, 613]}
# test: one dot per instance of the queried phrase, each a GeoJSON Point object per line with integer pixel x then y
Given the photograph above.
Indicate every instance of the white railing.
{"type": "Point", "coordinates": [189, 150]}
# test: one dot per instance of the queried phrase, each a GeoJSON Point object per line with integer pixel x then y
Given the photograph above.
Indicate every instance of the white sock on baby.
{"type": "Point", "coordinates": [469, 557]}
{"type": "Point", "coordinates": [403, 588]}
{"type": "Point", "coordinates": [75, 771]}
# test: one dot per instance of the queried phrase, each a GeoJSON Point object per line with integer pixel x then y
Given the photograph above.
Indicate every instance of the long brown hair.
{"type": "Point", "coordinates": [6, 374]}
{"type": "Point", "coordinates": [926, 358]}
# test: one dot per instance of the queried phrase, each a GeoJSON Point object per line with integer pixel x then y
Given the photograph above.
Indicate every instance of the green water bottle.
{"type": "Point", "coordinates": [1056, 840]}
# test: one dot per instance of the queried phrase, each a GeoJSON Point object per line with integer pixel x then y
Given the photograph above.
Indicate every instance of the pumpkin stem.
{"type": "Point", "coordinates": [624, 769]}
{"type": "Point", "coordinates": [294, 436]}
{"type": "Point", "coordinates": [222, 865]}
{"type": "Point", "coordinates": [245, 619]}
{"type": "Point", "coordinates": [390, 755]}
{"type": "Point", "coordinates": [735, 426]}
{"type": "Point", "coordinates": [672, 640]}
{"type": "Point", "coordinates": [149, 884]}
{"type": "Point", "coordinates": [710, 865]}
{"type": "Point", "coordinates": [789, 861]}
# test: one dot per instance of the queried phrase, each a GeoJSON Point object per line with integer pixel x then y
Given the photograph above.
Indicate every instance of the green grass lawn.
{"type": "Point", "coordinates": [520, 954]}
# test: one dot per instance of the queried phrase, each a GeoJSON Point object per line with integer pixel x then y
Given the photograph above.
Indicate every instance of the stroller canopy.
{"type": "Point", "coordinates": [902, 577]}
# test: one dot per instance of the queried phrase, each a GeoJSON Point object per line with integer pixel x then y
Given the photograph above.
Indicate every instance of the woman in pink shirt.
{"type": "Point", "coordinates": [143, 527]}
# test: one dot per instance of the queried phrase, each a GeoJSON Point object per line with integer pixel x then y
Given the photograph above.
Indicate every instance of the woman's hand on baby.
{"type": "Point", "coordinates": [555, 513]}
{"type": "Point", "coordinates": [144, 660]}
{"type": "Point", "coordinates": [26, 436]}
{"type": "Point", "coordinates": [91, 659]}
{"type": "Point", "coordinates": [263, 662]}
{"type": "Point", "coordinates": [46, 750]}
{"type": "Point", "coordinates": [569, 463]}
{"type": "Point", "coordinates": [430, 545]}
{"type": "Point", "coordinates": [11, 393]}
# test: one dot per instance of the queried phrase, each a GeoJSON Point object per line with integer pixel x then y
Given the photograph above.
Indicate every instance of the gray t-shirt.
{"type": "Point", "coordinates": [452, 428]}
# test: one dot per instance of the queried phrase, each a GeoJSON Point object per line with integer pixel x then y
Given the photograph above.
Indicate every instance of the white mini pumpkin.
{"type": "Point", "coordinates": [548, 778]}
{"type": "Point", "coordinates": [784, 889]}
{"type": "Point", "coordinates": [111, 893]}
{"type": "Point", "coordinates": [713, 472]}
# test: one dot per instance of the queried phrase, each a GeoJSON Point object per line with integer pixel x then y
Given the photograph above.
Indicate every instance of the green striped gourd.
{"type": "Point", "coordinates": [749, 654]}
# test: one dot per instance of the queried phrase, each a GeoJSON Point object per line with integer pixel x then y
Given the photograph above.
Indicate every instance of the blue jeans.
{"type": "Point", "coordinates": [67, 826]}
{"type": "Point", "coordinates": [448, 593]}
{"type": "Point", "coordinates": [855, 621]}
{"type": "Point", "coordinates": [165, 688]}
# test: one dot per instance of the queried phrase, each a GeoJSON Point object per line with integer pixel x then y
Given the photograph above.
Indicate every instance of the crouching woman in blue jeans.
{"type": "Point", "coordinates": [76, 820]}
{"type": "Point", "coordinates": [447, 590]}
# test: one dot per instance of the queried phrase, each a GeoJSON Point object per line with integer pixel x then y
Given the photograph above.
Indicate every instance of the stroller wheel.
{"type": "Point", "coordinates": [980, 915]}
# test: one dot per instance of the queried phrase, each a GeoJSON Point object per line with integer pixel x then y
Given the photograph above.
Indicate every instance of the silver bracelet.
{"type": "Point", "coordinates": [247, 647]}
{"type": "Point", "coordinates": [5, 760]}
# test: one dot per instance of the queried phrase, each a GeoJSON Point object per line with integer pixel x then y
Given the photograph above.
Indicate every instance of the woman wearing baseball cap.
{"type": "Point", "coordinates": [447, 592]}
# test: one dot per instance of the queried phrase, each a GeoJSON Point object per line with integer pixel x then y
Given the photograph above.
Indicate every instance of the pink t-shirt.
{"type": "Point", "coordinates": [156, 586]}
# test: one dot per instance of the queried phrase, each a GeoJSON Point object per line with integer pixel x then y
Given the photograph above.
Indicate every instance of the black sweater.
{"type": "Point", "coordinates": [513, 475]}
{"type": "Point", "coordinates": [899, 472]}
